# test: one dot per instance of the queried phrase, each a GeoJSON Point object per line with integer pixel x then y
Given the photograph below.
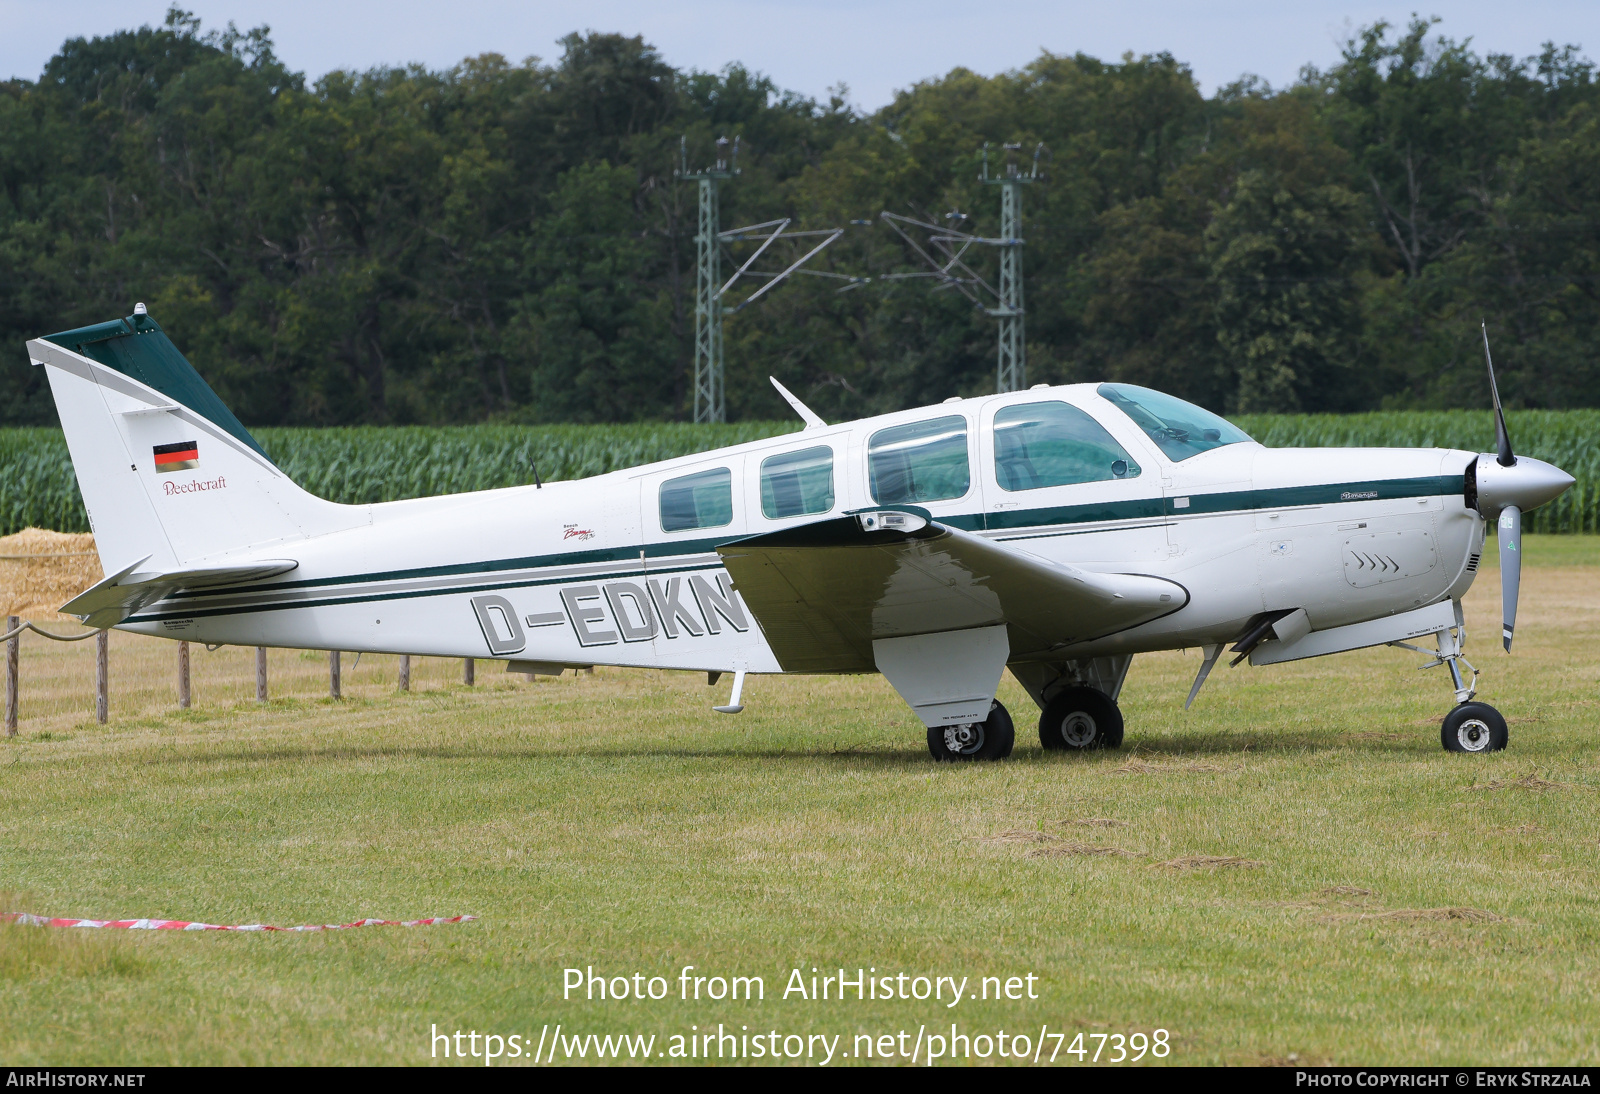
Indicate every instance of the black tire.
{"type": "Point", "coordinates": [990, 739]}
{"type": "Point", "coordinates": [1473, 727]}
{"type": "Point", "coordinates": [1080, 718]}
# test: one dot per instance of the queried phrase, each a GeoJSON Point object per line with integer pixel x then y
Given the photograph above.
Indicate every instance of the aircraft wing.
{"type": "Point", "coordinates": [823, 592]}
{"type": "Point", "coordinates": [111, 601]}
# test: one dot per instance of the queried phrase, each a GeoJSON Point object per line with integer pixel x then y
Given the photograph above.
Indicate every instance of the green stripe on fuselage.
{"type": "Point", "coordinates": [1227, 501]}
{"type": "Point", "coordinates": [1214, 504]}
{"type": "Point", "coordinates": [532, 562]}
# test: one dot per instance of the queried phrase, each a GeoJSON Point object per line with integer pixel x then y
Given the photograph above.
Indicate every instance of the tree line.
{"type": "Point", "coordinates": [507, 241]}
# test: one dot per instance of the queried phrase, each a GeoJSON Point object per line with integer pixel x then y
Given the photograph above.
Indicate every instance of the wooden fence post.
{"type": "Point", "coordinates": [13, 651]}
{"type": "Point", "coordinates": [102, 676]}
{"type": "Point", "coordinates": [469, 671]}
{"type": "Point", "coordinates": [333, 674]}
{"type": "Point", "coordinates": [183, 676]}
{"type": "Point", "coordinates": [405, 672]}
{"type": "Point", "coordinates": [261, 674]}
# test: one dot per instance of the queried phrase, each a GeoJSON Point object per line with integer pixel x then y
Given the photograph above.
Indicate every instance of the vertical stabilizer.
{"type": "Point", "coordinates": [165, 469]}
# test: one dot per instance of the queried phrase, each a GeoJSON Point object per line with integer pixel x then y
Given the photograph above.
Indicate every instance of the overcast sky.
{"type": "Point", "coordinates": [873, 46]}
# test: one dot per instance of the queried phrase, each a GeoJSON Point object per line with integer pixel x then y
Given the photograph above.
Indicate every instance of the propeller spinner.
{"type": "Point", "coordinates": [1507, 485]}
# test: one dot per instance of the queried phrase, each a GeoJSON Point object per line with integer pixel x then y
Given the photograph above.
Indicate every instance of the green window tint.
{"type": "Point", "coordinates": [796, 483]}
{"type": "Point", "coordinates": [923, 461]}
{"type": "Point", "coordinates": [701, 500]}
{"type": "Point", "coordinates": [1179, 429]}
{"type": "Point", "coordinates": [1054, 444]}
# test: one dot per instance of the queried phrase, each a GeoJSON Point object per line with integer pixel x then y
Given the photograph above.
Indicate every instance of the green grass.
{"type": "Point", "coordinates": [614, 821]}
{"type": "Point", "coordinates": [372, 464]}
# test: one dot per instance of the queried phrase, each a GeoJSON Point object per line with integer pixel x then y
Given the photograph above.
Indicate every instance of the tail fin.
{"type": "Point", "coordinates": [168, 474]}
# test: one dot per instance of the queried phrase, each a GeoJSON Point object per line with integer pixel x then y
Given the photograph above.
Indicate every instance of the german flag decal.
{"type": "Point", "coordinates": [177, 457]}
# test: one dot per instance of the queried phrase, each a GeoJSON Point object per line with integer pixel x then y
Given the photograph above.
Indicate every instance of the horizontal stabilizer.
{"type": "Point", "coordinates": [111, 601]}
{"type": "Point", "coordinates": [823, 592]}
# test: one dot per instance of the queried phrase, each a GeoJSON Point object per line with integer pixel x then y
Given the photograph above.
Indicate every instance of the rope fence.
{"type": "Point", "coordinates": [40, 568]}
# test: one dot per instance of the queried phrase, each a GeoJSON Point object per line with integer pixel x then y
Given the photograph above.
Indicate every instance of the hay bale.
{"type": "Point", "coordinates": [41, 570]}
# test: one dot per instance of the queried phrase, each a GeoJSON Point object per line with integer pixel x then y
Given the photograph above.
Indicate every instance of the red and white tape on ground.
{"type": "Point", "coordinates": [183, 925]}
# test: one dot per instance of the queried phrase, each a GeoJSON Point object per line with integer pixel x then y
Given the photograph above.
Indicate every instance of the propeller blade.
{"type": "Point", "coordinates": [1502, 439]}
{"type": "Point", "coordinates": [1510, 534]}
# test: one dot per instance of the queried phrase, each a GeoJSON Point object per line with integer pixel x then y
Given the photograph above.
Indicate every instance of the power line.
{"type": "Point", "coordinates": [952, 270]}
{"type": "Point", "coordinates": [710, 398]}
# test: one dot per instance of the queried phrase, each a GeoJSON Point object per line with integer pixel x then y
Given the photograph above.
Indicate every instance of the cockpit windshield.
{"type": "Point", "coordinates": [1179, 429]}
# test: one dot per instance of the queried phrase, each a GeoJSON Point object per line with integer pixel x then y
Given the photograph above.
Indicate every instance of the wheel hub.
{"type": "Point", "coordinates": [1473, 734]}
{"type": "Point", "coordinates": [964, 739]}
{"type": "Point", "coordinates": [1078, 729]}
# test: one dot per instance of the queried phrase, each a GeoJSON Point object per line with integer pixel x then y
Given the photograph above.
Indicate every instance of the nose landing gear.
{"type": "Point", "coordinates": [1470, 727]}
{"type": "Point", "coordinates": [1473, 727]}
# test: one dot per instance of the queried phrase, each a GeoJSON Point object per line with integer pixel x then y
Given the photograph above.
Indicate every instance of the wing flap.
{"type": "Point", "coordinates": [824, 591]}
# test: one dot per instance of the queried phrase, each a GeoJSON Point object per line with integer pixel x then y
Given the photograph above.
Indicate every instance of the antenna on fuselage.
{"type": "Point", "coordinates": [812, 419]}
{"type": "Point", "coordinates": [537, 484]}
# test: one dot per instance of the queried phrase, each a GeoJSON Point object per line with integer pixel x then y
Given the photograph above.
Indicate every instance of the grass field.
{"type": "Point", "coordinates": [1394, 903]}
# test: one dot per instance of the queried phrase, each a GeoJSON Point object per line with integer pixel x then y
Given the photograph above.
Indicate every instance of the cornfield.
{"type": "Point", "coordinates": [375, 463]}
{"type": "Point", "coordinates": [363, 464]}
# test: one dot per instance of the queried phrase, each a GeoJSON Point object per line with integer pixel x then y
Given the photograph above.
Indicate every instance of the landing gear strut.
{"type": "Point", "coordinates": [990, 739]}
{"type": "Point", "coordinates": [1470, 727]}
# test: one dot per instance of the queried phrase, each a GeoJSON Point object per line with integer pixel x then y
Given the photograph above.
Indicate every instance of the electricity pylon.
{"type": "Point", "coordinates": [952, 271]}
{"type": "Point", "coordinates": [1012, 372]}
{"type": "Point", "coordinates": [710, 404]}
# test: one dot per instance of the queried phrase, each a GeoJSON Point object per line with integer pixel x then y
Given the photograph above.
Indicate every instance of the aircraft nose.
{"type": "Point", "coordinates": [1527, 484]}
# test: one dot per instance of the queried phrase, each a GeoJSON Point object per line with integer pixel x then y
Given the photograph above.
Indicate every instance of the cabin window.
{"type": "Point", "coordinates": [701, 500]}
{"type": "Point", "coordinates": [796, 483]}
{"type": "Point", "coordinates": [1054, 444]}
{"type": "Point", "coordinates": [922, 461]}
{"type": "Point", "coordinates": [1179, 429]}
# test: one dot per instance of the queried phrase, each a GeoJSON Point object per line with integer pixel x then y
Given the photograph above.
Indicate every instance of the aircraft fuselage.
{"type": "Point", "coordinates": [621, 569]}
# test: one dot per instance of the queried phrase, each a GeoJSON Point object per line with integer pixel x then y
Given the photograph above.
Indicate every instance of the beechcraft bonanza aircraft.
{"type": "Point", "coordinates": [1056, 532]}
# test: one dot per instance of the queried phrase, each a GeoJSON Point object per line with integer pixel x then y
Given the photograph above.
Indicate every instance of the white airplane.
{"type": "Point", "coordinates": [1056, 532]}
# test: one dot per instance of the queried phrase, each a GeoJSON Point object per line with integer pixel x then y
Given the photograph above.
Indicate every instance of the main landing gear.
{"type": "Point", "coordinates": [1076, 719]}
{"type": "Point", "coordinates": [1080, 718]}
{"type": "Point", "coordinates": [1470, 727]}
{"type": "Point", "coordinates": [990, 739]}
